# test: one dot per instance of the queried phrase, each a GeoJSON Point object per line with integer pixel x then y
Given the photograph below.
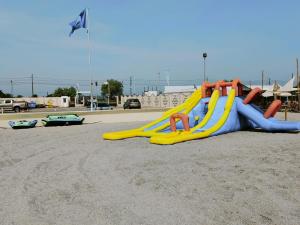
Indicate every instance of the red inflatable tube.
{"type": "Point", "coordinates": [252, 94]}
{"type": "Point", "coordinates": [184, 118]}
{"type": "Point", "coordinates": [272, 109]}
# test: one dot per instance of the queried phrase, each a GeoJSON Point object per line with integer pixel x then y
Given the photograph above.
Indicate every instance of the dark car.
{"type": "Point", "coordinates": [101, 106]}
{"type": "Point", "coordinates": [104, 106]}
{"type": "Point", "coordinates": [132, 103]}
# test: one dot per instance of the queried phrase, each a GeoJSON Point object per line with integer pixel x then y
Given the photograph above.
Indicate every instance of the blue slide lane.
{"type": "Point", "coordinates": [218, 112]}
{"type": "Point", "coordinates": [233, 122]}
{"type": "Point", "coordinates": [258, 119]}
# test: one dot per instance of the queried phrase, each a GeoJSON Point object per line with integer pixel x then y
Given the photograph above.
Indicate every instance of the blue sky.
{"type": "Point", "coordinates": [142, 38]}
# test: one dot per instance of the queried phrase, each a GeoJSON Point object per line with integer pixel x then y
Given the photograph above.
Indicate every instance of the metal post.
{"type": "Point", "coordinates": [11, 88]}
{"type": "Point", "coordinates": [96, 87]}
{"type": "Point", "coordinates": [89, 46]}
{"type": "Point", "coordinates": [158, 82]}
{"type": "Point", "coordinates": [262, 80]}
{"type": "Point", "coordinates": [298, 85]}
{"type": "Point", "coordinates": [168, 77]}
{"type": "Point", "coordinates": [130, 85]}
{"type": "Point", "coordinates": [108, 91]}
{"type": "Point", "coordinates": [133, 84]}
{"type": "Point", "coordinates": [285, 113]}
{"type": "Point", "coordinates": [275, 96]}
{"type": "Point", "coordinates": [32, 85]}
{"type": "Point", "coordinates": [204, 67]}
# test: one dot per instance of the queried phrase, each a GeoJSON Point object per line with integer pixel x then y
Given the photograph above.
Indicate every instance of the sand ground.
{"type": "Point", "coordinates": [98, 118]}
{"type": "Point", "coordinates": [69, 175]}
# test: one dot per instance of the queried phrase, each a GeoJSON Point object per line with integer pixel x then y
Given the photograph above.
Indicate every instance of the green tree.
{"type": "Point", "coordinates": [5, 95]}
{"type": "Point", "coordinates": [71, 92]}
{"type": "Point", "coordinates": [115, 88]}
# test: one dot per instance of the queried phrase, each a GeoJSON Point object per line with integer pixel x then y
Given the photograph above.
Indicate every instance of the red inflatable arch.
{"type": "Point", "coordinates": [272, 109]}
{"type": "Point", "coordinates": [252, 94]}
{"type": "Point", "coordinates": [184, 118]}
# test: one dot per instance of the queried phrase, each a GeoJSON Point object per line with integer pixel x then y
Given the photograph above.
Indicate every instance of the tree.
{"type": "Point", "coordinates": [115, 88]}
{"type": "Point", "coordinates": [71, 92]}
{"type": "Point", "coordinates": [5, 95]}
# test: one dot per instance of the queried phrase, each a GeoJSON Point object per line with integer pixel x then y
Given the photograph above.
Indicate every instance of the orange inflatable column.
{"type": "Point", "coordinates": [224, 91]}
{"type": "Point", "coordinates": [252, 94]}
{"type": "Point", "coordinates": [184, 118]}
{"type": "Point", "coordinates": [240, 89]}
{"type": "Point", "coordinates": [272, 109]}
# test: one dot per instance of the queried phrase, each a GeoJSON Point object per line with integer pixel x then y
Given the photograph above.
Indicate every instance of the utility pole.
{"type": "Point", "coordinates": [130, 85]}
{"type": "Point", "coordinates": [158, 82]}
{"type": "Point", "coordinates": [168, 80]}
{"type": "Point", "coordinates": [168, 77]}
{"type": "Point", "coordinates": [275, 86]}
{"type": "Point", "coordinates": [91, 97]}
{"type": "Point", "coordinates": [298, 85]}
{"type": "Point", "coordinates": [11, 88]}
{"type": "Point", "coordinates": [262, 80]}
{"type": "Point", "coordinates": [133, 85]}
{"type": "Point", "coordinates": [96, 86]}
{"type": "Point", "coordinates": [32, 93]}
{"type": "Point", "coordinates": [108, 90]}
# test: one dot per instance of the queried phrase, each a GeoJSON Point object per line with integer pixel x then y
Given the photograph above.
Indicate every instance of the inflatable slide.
{"type": "Point", "coordinates": [215, 108]}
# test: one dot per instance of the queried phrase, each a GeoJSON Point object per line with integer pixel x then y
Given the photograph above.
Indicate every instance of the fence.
{"type": "Point", "coordinates": [160, 101]}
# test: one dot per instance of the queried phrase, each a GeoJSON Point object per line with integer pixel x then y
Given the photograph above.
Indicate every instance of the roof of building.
{"type": "Point", "coordinates": [289, 86]}
{"type": "Point", "coordinates": [277, 89]}
{"type": "Point", "coordinates": [179, 89]}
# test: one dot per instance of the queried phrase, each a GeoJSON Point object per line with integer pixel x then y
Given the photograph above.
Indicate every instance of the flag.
{"type": "Point", "coordinates": [80, 22]}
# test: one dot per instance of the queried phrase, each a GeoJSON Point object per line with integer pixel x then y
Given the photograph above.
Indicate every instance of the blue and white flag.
{"type": "Point", "coordinates": [80, 22]}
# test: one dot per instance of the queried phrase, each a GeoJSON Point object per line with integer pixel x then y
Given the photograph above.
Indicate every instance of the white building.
{"type": "Point", "coordinates": [151, 93]}
{"type": "Point", "coordinates": [180, 89]}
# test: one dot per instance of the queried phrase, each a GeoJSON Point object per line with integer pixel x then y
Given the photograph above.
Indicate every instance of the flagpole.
{"type": "Point", "coordinates": [89, 46]}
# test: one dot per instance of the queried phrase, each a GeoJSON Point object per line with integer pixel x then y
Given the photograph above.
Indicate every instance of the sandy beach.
{"type": "Point", "coordinates": [69, 175]}
{"type": "Point", "coordinates": [114, 117]}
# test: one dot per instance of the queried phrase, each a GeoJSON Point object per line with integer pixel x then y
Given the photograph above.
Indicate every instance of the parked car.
{"type": "Point", "coordinates": [12, 105]}
{"type": "Point", "coordinates": [132, 103]}
{"type": "Point", "coordinates": [101, 106]}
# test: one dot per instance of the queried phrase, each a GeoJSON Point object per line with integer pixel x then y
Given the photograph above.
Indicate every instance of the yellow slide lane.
{"type": "Point", "coordinates": [191, 135]}
{"type": "Point", "coordinates": [185, 108]}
